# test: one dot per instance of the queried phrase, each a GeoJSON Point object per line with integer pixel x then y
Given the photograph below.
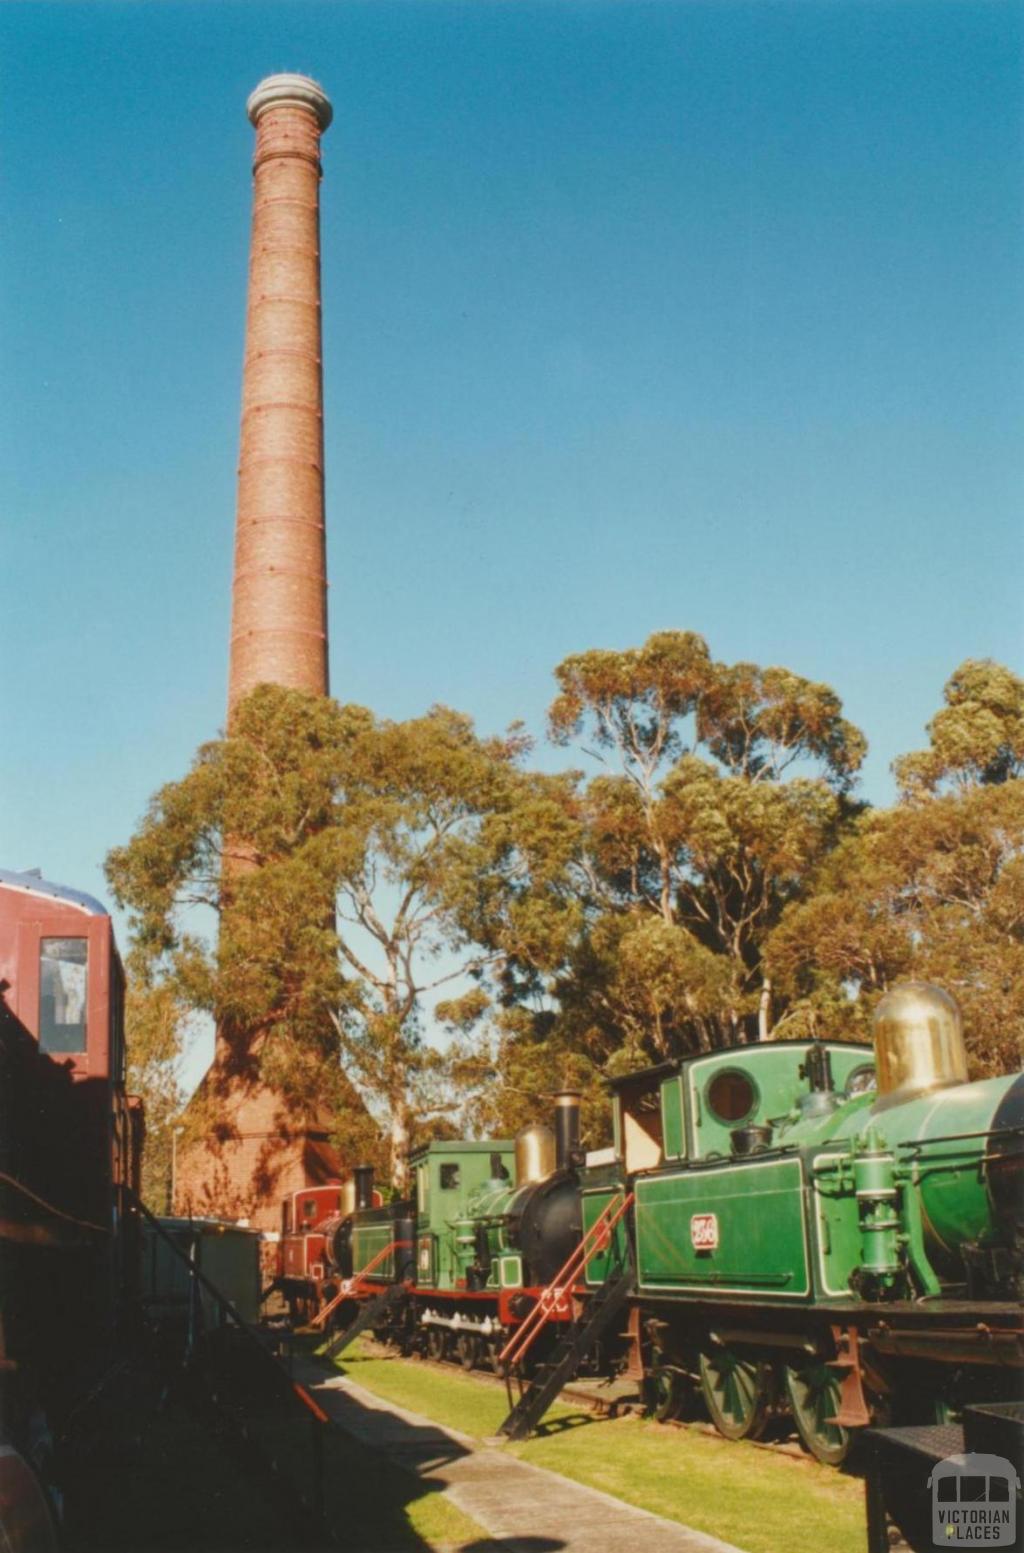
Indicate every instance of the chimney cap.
{"type": "Point", "coordinates": [297, 90]}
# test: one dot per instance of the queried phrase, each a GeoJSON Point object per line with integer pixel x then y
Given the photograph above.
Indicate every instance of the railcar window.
{"type": "Point", "coordinates": [309, 1208]}
{"type": "Point", "coordinates": [731, 1095]}
{"type": "Point", "coordinates": [63, 988]}
{"type": "Point", "coordinates": [449, 1177]}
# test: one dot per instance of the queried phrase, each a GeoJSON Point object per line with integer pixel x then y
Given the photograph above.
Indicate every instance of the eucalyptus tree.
{"type": "Point", "coordinates": [726, 784]}
{"type": "Point", "coordinates": [356, 870]}
{"type": "Point", "coordinates": [933, 887]}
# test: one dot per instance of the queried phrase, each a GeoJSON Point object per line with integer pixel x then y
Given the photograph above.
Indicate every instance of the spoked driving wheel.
{"type": "Point", "coordinates": [665, 1392]}
{"type": "Point", "coordinates": [467, 1349]}
{"type": "Point", "coordinates": [737, 1392]}
{"type": "Point", "coordinates": [435, 1343]}
{"type": "Point", "coordinates": [814, 1395]}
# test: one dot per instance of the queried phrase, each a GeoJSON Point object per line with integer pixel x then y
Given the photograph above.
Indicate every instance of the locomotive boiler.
{"type": "Point", "coordinates": [488, 1228]}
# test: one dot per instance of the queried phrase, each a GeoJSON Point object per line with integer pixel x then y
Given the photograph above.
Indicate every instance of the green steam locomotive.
{"type": "Point", "coordinates": [827, 1230]}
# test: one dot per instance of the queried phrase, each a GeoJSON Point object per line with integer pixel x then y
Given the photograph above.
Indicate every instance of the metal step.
{"type": "Point", "coordinates": [549, 1378]}
{"type": "Point", "coordinates": [367, 1317]}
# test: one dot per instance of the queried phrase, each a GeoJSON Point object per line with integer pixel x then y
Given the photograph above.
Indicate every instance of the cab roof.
{"type": "Point", "coordinates": [460, 1146]}
{"type": "Point", "coordinates": [33, 883]}
{"type": "Point", "coordinates": [663, 1070]}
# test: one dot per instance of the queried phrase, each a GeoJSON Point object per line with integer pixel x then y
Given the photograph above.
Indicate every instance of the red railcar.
{"type": "Point", "coordinates": [70, 1153]}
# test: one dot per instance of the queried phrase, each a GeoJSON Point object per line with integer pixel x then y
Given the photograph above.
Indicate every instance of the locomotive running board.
{"type": "Point", "coordinates": [549, 1378]}
{"type": "Point", "coordinates": [374, 1308]}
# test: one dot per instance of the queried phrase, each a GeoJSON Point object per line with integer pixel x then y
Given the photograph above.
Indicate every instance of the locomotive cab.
{"type": "Point", "coordinates": [731, 1103]}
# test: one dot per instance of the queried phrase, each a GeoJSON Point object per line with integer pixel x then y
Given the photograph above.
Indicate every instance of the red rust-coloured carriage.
{"type": "Point", "coordinates": [70, 1158]}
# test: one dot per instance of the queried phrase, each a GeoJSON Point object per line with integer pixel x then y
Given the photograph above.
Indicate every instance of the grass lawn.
{"type": "Point", "coordinates": [761, 1501]}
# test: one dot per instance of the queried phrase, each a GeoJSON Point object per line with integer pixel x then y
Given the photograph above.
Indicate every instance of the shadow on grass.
{"type": "Point", "coordinates": [563, 1423]}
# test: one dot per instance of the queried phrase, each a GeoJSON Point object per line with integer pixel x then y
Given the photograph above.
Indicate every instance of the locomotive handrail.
{"type": "Point", "coordinates": [962, 1137]}
{"type": "Point", "coordinates": [351, 1287]}
{"type": "Point", "coordinates": [552, 1298]}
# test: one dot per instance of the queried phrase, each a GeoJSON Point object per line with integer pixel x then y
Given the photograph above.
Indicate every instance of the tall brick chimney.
{"type": "Point", "coordinates": [279, 598]}
{"type": "Point", "coordinates": [248, 1148]}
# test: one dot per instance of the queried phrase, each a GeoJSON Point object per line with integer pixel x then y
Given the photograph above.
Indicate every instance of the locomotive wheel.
{"type": "Point", "coordinates": [665, 1393]}
{"type": "Point", "coordinates": [737, 1393]}
{"type": "Point", "coordinates": [435, 1343]}
{"type": "Point", "coordinates": [490, 1360]}
{"type": "Point", "coordinates": [813, 1392]}
{"type": "Point", "coordinates": [467, 1349]}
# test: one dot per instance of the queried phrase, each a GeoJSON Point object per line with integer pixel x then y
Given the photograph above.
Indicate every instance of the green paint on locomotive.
{"type": "Point", "coordinates": [460, 1188]}
{"type": "Point", "coordinates": [601, 1185]}
{"type": "Point", "coordinates": [843, 1193]}
{"type": "Point", "coordinates": [741, 1227]}
{"type": "Point", "coordinates": [901, 1191]}
{"type": "Point", "coordinates": [373, 1230]}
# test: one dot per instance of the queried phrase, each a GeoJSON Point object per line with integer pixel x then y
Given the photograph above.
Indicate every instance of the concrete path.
{"type": "Point", "coordinates": [526, 1509]}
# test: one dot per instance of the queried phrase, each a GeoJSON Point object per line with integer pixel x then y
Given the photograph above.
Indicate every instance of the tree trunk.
{"type": "Point", "coordinates": [399, 1144]}
{"type": "Point", "coordinates": [764, 1010]}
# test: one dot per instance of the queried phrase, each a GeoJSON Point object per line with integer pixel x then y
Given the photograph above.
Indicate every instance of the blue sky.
{"type": "Point", "coordinates": [637, 316]}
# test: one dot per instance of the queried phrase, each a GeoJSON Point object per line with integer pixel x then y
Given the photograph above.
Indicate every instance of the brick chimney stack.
{"type": "Point", "coordinates": [249, 1147]}
{"type": "Point", "coordinates": [279, 598]}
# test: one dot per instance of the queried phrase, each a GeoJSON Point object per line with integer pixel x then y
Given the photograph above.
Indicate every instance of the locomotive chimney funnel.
{"type": "Point", "coordinates": [279, 592]}
{"type": "Point", "coordinates": [567, 1129]}
{"type": "Point", "coordinates": [363, 1176]}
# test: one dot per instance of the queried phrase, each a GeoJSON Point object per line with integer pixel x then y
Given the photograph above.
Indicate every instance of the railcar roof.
{"type": "Point", "coordinates": [34, 884]}
{"type": "Point", "coordinates": [207, 1226]}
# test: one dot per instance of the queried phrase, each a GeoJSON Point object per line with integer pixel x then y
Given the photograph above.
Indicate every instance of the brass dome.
{"type": "Point", "coordinates": [535, 1153]}
{"type": "Point", "coordinates": [919, 1042]}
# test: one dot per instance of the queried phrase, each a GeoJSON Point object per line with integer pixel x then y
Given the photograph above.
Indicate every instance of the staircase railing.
{"type": "Point", "coordinates": [351, 1288]}
{"type": "Point", "coordinates": [553, 1300]}
{"type": "Point", "coordinates": [262, 1461]}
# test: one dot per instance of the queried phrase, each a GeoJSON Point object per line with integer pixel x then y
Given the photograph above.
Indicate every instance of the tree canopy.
{"type": "Point", "coordinates": [723, 785]}
{"type": "Point", "coordinates": [728, 784]}
{"type": "Point", "coordinates": [933, 887]}
{"type": "Point", "coordinates": [355, 868]}
{"type": "Point", "coordinates": [405, 923]}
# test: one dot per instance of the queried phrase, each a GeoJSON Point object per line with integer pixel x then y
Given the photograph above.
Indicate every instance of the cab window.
{"type": "Point", "coordinates": [63, 988]}
{"type": "Point", "coordinates": [731, 1096]}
